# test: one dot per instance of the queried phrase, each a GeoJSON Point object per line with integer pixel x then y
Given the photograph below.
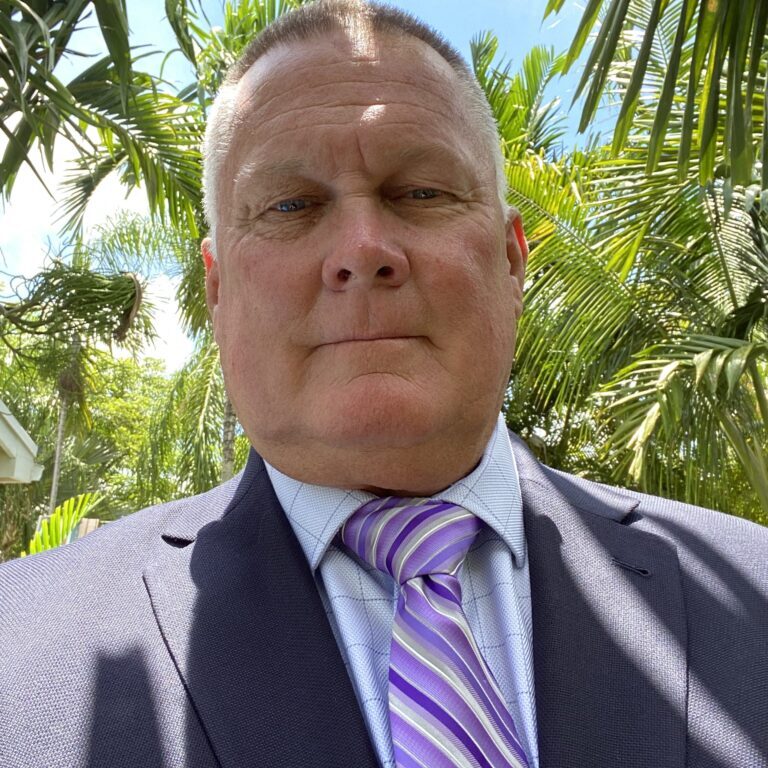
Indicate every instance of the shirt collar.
{"type": "Point", "coordinates": [491, 491]}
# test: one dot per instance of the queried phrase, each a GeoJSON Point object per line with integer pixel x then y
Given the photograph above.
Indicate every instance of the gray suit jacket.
{"type": "Point", "coordinates": [192, 634]}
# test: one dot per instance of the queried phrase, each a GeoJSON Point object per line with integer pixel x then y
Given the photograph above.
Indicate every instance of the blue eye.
{"type": "Point", "coordinates": [291, 206]}
{"type": "Point", "coordinates": [426, 193]}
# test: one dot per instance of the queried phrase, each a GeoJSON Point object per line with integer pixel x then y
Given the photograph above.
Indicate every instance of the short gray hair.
{"type": "Point", "coordinates": [325, 17]}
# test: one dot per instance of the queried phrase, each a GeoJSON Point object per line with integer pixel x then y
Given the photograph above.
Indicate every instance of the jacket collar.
{"type": "Point", "coordinates": [609, 626]}
{"type": "Point", "coordinates": [240, 613]}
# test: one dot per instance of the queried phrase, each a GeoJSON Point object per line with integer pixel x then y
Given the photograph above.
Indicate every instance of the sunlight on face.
{"type": "Point", "coordinates": [359, 32]}
{"type": "Point", "coordinates": [366, 296]}
{"type": "Point", "coordinates": [372, 113]}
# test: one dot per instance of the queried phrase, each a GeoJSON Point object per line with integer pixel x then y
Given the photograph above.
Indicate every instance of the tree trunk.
{"type": "Point", "coordinates": [228, 441]}
{"type": "Point", "coordinates": [70, 390]}
{"type": "Point", "coordinates": [57, 454]}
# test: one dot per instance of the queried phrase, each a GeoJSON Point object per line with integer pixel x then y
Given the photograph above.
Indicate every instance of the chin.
{"type": "Point", "coordinates": [378, 420]}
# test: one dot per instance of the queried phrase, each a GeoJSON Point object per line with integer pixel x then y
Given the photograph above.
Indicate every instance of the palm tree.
{"type": "Point", "coordinates": [104, 432]}
{"type": "Point", "coordinates": [144, 132]}
{"type": "Point", "coordinates": [34, 104]}
{"type": "Point", "coordinates": [56, 315]}
{"type": "Point", "coordinates": [183, 451]}
{"type": "Point", "coordinates": [51, 357]}
{"type": "Point", "coordinates": [642, 349]}
{"type": "Point", "coordinates": [68, 298]}
{"type": "Point", "coordinates": [714, 68]}
{"type": "Point", "coordinates": [196, 442]}
{"type": "Point", "coordinates": [150, 138]}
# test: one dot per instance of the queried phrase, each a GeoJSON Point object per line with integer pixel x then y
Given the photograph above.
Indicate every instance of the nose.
{"type": "Point", "coordinates": [363, 253]}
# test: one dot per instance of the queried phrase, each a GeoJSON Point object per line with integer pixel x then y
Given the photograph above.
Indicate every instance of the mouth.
{"type": "Point", "coordinates": [367, 338]}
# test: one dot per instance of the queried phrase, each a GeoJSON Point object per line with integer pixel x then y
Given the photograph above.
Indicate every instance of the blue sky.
{"type": "Point", "coordinates": [518, 23]}
{"type": "Point", "coordinates": [28, 226]}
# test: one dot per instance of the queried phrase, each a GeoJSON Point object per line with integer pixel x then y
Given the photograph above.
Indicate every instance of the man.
{"type": "Point", "coordinates": [364, 278]}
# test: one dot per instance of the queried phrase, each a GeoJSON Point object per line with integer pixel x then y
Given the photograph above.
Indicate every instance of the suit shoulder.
{"type": "Point", "coordinates": [694, 531]}
{"type": "Point", "coordinates": [689, 528]}
{"type": "Point", "coordinates": [107, 555]}
{"type": "Point", "coordinates": [707, 533]}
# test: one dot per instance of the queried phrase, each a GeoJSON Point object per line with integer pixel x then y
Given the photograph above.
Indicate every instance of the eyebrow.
{"type": "Point", "coordinates": [277, 168]}
{"type": "Point", "coordinates": [409, 156]}
{"type": "Point", "coordinates": [429, 153]}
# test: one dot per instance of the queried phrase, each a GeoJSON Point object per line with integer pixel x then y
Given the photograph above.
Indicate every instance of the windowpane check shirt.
{"type": "Point", "coordinates": [360, 601]}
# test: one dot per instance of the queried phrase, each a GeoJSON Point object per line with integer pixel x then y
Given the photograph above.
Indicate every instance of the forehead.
{"type": "Point", "coordinates": [392, 89]}
{"type": "Point", "coordinates": [335, 62]}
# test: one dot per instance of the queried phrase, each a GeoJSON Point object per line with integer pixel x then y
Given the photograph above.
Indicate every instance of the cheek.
{"type": "Point", "coordinates": [266, 292]}
{"type": "Point", "coordinates": [472, 274]}
{"type": "Point", "coordinates": [490, 303]}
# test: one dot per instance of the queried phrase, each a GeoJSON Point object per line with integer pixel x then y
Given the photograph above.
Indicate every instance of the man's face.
{"type": "Point", "coordinates": [367, 282]}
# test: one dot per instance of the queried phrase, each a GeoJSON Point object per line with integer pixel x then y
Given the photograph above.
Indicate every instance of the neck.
{"type": "Point", "coordinates": [410, 471]}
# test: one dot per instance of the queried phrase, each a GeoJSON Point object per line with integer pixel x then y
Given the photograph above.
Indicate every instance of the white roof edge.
{"type": "Point", "coordinates": [17, 429]}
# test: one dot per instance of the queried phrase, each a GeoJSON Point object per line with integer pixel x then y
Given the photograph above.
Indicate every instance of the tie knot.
{"type": "Point", "coordinates": [411, 537]}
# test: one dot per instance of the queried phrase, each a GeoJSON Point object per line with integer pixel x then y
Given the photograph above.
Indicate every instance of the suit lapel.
{"type": "Point", "coordinates": [240, 613]}
{"type": "Point", "coordinates": [609, 628]}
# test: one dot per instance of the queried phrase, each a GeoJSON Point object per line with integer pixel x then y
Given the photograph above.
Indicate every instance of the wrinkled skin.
{"type": "Point", "coordinates": [367, 282]}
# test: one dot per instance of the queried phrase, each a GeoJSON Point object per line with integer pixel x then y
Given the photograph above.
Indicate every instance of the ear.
{"type": "Point", "coordinates": [517, 245]}
{"type": "Point", "coordinates": [211, 277]}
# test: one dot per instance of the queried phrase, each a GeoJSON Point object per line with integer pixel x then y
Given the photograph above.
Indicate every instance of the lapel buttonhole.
{"type": "Point", "coordinates": [639, 570]}
{"type": "Point", "coordinates": [175, 541]}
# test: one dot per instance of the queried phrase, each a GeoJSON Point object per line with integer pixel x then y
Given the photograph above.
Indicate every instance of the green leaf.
{"type": "Point", "coordinates": [631, 94]}
{"type": "Point", "coordinates": [764, 174]}
{"type": "Point", "coordinates": [17, 43]}
{"type": "Point", "coordinates": [734, 367]}
{"type": "Point", "coordinates": [553, 6]}
{"type": "Point", "coordinates": [707, 20]}
{"type": "Point", "coordinates": [702, 362]}
{"type": "Point", "coordinates": [710, 99]}
{"type": "Point", "coordinates": [663, 109]}
{"type": "Point", "coordinates": [740, 145]}
{"type": "Point", "coordinates": [113, 21]}
{"type": "Point", "coordinates": [588, 19]}
{"type": "Point", "coordinates": [603, 48]}
{"type": "Point", "coordinates": [56, 529]}
{"type": "Point", "coordinates": [727, 197]}
{"type": "Point", "coordinates": [759, 30]}
{"type": "Point", "coordinates": [177, 13]}
{"type": "Point", "coordinates": [17, 154]}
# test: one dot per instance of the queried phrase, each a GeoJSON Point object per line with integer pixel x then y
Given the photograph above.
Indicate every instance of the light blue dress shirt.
{"type": "Point", "coordinates": [360, 601]}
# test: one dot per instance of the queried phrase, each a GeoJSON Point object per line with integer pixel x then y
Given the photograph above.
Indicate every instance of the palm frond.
{"type": "Point", "coordinates": [726, 40]}
{"type": "Point", "coordinates": [700, 400]}
{"type": "Point", "coordinates": [525, 121]}
{"type": "Point", "coordinates": [64, 301]}
{"type": "Point", "coordinates": [33, 102]}
{"type": "Point", "coordinates": [183, 452]}
{"type": "Point", "coordinates": [57, 528]}
{"type": "Point", "coordinates": [154, 144]}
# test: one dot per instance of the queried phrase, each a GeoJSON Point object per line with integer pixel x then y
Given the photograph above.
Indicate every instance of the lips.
{"type": "Point", "coordinates": [369, 337]}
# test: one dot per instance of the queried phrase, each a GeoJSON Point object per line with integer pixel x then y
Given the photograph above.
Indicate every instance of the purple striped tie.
{"type": "Point", "coordinates": [445, 707]}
